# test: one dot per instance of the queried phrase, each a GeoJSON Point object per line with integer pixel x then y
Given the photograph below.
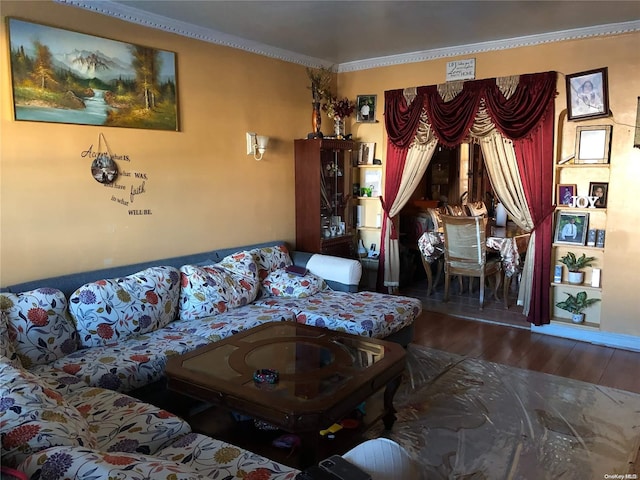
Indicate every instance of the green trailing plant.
{"type": "Point", "coordinates": [577, 303]}
{"type": "Point", "coordinates": [576, 264]}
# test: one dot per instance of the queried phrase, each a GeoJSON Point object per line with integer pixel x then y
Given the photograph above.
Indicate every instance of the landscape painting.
{"type": "Point", "coordinates": [68, 77]}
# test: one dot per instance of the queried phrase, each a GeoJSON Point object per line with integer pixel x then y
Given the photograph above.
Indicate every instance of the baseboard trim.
{"type": "Point", "coordinates": [608, 339]}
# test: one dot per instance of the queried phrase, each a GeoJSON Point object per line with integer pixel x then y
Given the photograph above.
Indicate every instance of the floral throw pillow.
{"type": "Point", "coordinates": [7, 348]}
{"type": "Point", "coordinates": [38, 325]}
{"type": "Point", "coordinates": [270, 259]}
{"type": "Point", "coordinates": [280, 283]}
{"type": "Point", "coordinates": [213, 289]}
{"type": "Point", "coordinates": [108, 311]}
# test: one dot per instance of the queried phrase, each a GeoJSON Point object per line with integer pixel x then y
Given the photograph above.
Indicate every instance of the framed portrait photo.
{"type": "Point", "coordinates": [564, 192]}
{"type": "Point", "coordinates": [571, 227]}
{"type": "Point", "coordinates": [366, 108]}
{"type": "Point", "coordinates": [365, 153]}
{"type": "Point", "coordinates": [593, 144]}
{"type": "Point", "coordinates": [588, 94]}
{"type": "Point", "coordinates": [601, 191]}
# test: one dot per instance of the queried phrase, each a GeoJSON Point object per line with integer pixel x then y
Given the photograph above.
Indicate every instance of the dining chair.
{"type": "Point", "coordinates": [437, 258]}
{"type": "Point", "coordinates": [465, 253]}
{"type": "Point", "coordinates": [477, 209]}
{"type": "Point", "coordinates": [436, 223]}
{"type": "Point", "coordinates": [456, 210]}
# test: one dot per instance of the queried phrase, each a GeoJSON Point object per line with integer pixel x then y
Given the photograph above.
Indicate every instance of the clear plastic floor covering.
{"type": "Point", "coordinates": [471, 419]}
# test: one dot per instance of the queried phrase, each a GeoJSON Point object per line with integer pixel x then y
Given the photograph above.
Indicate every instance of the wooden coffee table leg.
{"type": "Point", "coordinates": [390, 412]}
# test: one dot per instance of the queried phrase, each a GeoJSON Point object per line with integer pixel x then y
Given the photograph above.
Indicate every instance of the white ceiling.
{"type": "Point", "coordinates": [359, 34]}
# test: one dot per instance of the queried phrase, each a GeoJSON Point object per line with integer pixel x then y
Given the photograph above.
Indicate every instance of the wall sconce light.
{"type": "Point", "coordinates": [256, 145]}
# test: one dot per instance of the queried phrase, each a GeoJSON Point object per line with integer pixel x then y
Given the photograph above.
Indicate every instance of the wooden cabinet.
{"type": "Point", "coordinates": [324, 197]}
{"type": "Point", "coordinates": [581, 177]}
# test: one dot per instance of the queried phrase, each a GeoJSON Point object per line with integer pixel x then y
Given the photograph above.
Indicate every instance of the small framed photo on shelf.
{"type": "Point", "coordinates": [601, 191]}
{"type": "Point", "coordinates": [588, 94]}
{"type": "Point", "coordinates": [366, 108]}
{"type": "Point", "coordinates": [373, 180]}
{"type": "Point", "coordinates": [366, 152]}
{"type": "Point", "coordinates": [593, 144]}
{"type": "Point", "coordinates": [571, 228]}
{"type": "Point", "coordinates": [564, 193]}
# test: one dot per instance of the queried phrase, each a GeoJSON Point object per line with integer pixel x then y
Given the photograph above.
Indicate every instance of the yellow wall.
{"type": "Point", "coordinates": [620, 300]}
{"type": "Point", "coordinates": [206, 193]}
{"type": "Point", "coordinates": [203, 190]}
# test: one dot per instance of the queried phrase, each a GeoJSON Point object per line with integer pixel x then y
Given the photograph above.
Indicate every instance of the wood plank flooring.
{"type": "Point", "coordinates": [519, 347]}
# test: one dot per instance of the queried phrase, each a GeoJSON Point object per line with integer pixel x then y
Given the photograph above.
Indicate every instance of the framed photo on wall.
{"type": "Point", "coordinates": [61, 76]}
{"type": "Point", "coordinates": [564, 193]}
{"type": "Point", "coordinates": [600, 190]}
{"type": "Point", "coordinates": [571, 228]}
{"type": "Point", "coordinates": [593, 144]}
{"type": "Point", "coordinates": [588, 94]}
{"type": "Point", "coordinates": [366, 108]}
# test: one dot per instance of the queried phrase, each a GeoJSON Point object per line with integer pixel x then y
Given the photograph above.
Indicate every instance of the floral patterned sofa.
{"type": "Point", "coordinates": [49, 433]}
{"type": "Point", "coordinates": [71, 346]}
{"type": "Point", "coordinates": [117, 333]}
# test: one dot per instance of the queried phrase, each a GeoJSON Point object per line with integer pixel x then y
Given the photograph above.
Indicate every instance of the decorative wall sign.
{"type": "Point", "coordinates": [103, 168]}
{"type": "Point", "coordinates": [461, 70]}
{"type": "Point", "coordinates": [127, 186]}
{"type": "Point", "coordinates": [62, 76]}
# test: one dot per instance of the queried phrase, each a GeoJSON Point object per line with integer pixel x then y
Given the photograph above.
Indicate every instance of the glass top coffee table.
{"type": "Point", "coordinates": [323, 375]}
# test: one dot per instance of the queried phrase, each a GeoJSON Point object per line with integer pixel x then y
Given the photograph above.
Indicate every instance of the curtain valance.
{"type": "Point", "coordinates": [515, 115]}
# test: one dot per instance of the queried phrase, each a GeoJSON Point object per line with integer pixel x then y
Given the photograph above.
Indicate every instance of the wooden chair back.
{"type": "Point", "coordinates": [434, 214]}
{"type": "Point", "coordinates": [456, 210]}
{"type": "Point", "coordinates": [465, 252]}
{"type": "Point", "coordinates": [477, 209]}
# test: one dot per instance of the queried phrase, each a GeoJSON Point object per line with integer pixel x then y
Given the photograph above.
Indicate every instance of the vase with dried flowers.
{"type": "Point", "coordinates": [320, 82]}
{"type": "Point", "coordinates": [339, 109]}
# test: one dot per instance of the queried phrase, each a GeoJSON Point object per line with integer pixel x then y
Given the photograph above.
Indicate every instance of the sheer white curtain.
{"type": "Point", "coordinates": [502, 168]}
{"type": "Point", "coordinates": [418, 158]}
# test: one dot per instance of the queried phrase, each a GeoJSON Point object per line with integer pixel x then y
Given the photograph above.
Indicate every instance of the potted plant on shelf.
{"type": "Point", "coordinates": [576, 304]}
{"type": "Point", "coordinates": [575, 265]}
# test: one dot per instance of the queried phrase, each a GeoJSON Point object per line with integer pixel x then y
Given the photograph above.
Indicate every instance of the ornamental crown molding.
{"type": "Point", "coordinates": [159, 22]}
{"type": "Point", "coordinates": [506, 44]}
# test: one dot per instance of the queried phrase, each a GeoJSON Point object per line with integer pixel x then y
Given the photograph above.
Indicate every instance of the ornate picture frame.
{"type": "Point", "coordinates": [588, 94]}
{"type": "Point", "coordinates": [593, 144]}
{"type": "Point", "coordinates": [366, 106]}
{"type": "Point", "coordinates": [62, 76]}
{"type": "Point", "coordinates": [571, 227]}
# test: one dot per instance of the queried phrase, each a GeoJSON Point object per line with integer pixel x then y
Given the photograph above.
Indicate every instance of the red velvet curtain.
{"type": "Point", "coordinates": [535, 162]}
{"type": "Point", "coordinates": [526, 118]}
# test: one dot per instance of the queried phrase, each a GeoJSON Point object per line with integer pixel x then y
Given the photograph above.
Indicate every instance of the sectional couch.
{"type": "Point", "coordinates": [85, 340]}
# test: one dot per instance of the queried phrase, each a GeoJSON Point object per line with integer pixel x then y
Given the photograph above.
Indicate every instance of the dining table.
{"type": "Point", "coordinates": [510, 242]}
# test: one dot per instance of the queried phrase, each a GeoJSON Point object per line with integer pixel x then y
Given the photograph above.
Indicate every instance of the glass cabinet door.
{"type": "Point", "coordinates": [335, 194]}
